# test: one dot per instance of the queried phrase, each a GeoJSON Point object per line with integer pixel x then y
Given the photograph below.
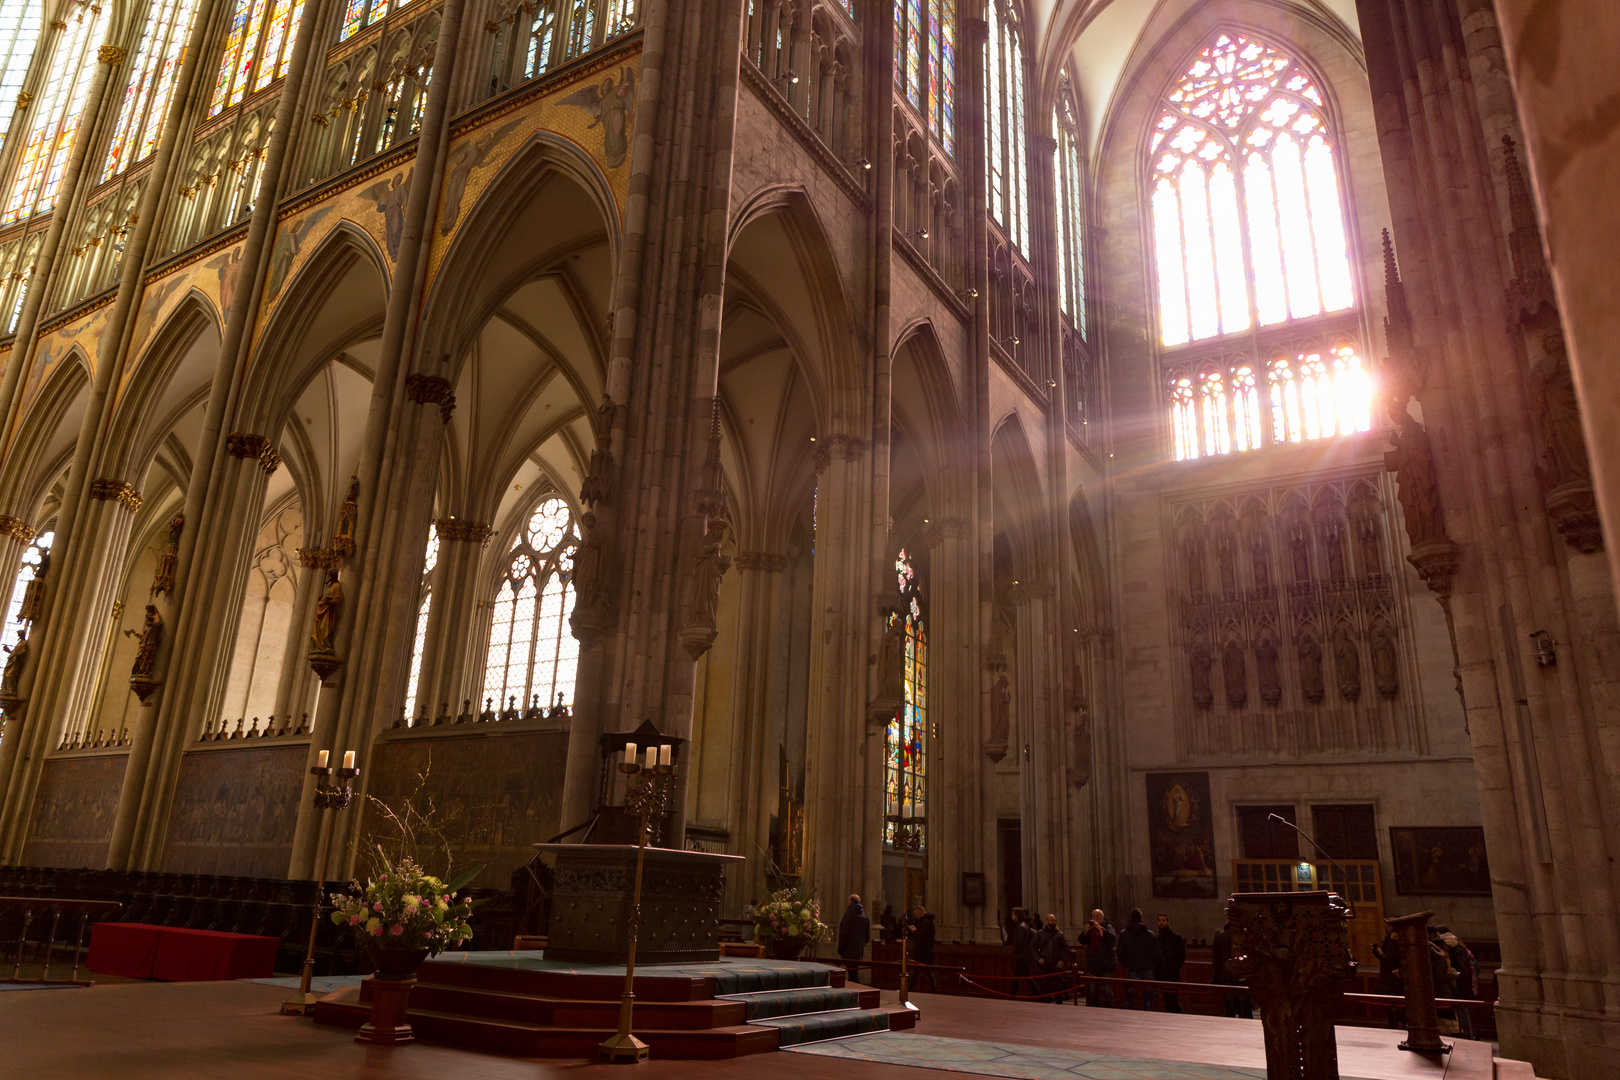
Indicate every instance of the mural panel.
{"type": "Point", "coordinates": [235, 811]}
{"type": "Point", "coordinates": [78, 797]}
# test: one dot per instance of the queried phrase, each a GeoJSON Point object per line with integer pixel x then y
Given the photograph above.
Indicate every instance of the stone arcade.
{"type": "Point", "coordinates": [1085, 427]}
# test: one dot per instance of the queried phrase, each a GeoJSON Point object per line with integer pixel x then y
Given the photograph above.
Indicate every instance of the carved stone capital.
{"type": "Point", "coordinates": [847, 447]}
{"type": "Point", "coordinates": [246, 446]}
{"type": "Point", "coordinates": [761, 560]}
{"type": "Point", "coordinates": [1436, 562]}
{"type": "Point", "coordinates": [320, 559]}
{"type": "Point", "coordinates": [111, 55]}
{"type": "Point", "coordinates": [1024, 592]}
{"type": "Point", "coordinates": [459, 529]}
{"type": "Point", "coordinates": [1574, 513]}
{"type": "Point", "coordinates": [432, 390]}
{"type": "Point", "coordinates": [119, 491]}
{"type": "Point", "coordinates": [15, 528]}
{"type": "Point", "coordinates": [24, 99]}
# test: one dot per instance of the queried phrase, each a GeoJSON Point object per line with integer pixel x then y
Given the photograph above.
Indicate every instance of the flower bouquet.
{"type": "Point", "coordinates": [403, 915]}
{"type": "Point", "coordinates": [787, 923]}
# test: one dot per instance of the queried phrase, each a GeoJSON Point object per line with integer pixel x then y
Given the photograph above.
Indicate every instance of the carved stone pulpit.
{"type": "Point", "coordinates": [1293, 950]}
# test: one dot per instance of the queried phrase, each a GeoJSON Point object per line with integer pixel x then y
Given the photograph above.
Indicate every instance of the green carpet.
{"type": "Point", "coordinates": [731, 975]}
{"type": "Point", "coordinates": [1006, 1059]}
{"type": "Point", "coordinates": [810, 1028]}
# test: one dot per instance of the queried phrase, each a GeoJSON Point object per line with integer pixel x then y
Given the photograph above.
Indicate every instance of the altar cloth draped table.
{"type": "Point", "coordinates": [144, 951]}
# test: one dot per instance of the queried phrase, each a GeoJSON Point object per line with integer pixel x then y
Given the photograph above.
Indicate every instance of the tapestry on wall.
{"type": "Point", "coordinates": [1181, 835]}
{"type": "Point", "coordinates": [1440, 862]}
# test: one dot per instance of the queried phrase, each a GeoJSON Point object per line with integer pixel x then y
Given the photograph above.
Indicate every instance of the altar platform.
{"type": "Point", "coordinates": [522, 1003]}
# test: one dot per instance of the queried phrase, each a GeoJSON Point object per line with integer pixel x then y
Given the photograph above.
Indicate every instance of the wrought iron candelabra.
{"type": "Point", "coordinates": [651, 796]}
{"type": "Point", "coordinates": [328, 797]}
{"type": "Point", "coordinates": [907, 839]}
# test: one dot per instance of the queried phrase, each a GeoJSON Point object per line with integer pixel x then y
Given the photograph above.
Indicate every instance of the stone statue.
{"type": "Point", "coordinates": [1310, 670]}
{"type": "Point", "coordinates": [1226, 560]}
{"type": "Point", "coordinates": [1412, 462]}
{"type": "Point", "coordinates": [1386, 669]}
{"type": "Point", "coordinates": [1266, 670]}
{"type": "Point", "coordinates": [1235, 675]}
{"type": "Point", "coordinates": [150, 636]}
{"type": "Point", "coordinates": [1262, 562]}
{"type": "Point", "coordinates": [16, 660]}
{"type": "Point", "coordinates": [1367, 536]}
{"type": "Point", "coordinates": [349, 510]}
{"type": "Point", "coordinates": [33, 605]}
{"type": "Point", "coordinates": [711, 567]}
{"type": "Point", "coordinates": [1000, 718]}
{"type": "Point", "coordinates": [587, 570]}
{"type": "Point", "coordinates": [1347, 665]}
{"type": "Point", "coordinates": [1333, 544]}
{"type": "Point", "coordinates": [891, 668]}
{"type": "Point", "coordinates": [1300, 542]}
{"type": "Point", "coordinates": [1203, 695]}
{"type": "Point", "coordinates": [1193, 552]}
{"type": "Point", "coordinates": [327, 609]}
{"type": "Point", "coordinates": [163, 577]}
{"type": "Point", "coordinates": [1552, 394]}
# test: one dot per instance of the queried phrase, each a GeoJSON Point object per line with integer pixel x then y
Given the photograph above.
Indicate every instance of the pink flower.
{"type": "Point", "coordinates": [376, 931]}
{"type": "Point", "coordinates": [377, 906]}
{"type": "Point", "coordinates": [354, 920]}
{"type": "Point", "coordinates": [397, 930]}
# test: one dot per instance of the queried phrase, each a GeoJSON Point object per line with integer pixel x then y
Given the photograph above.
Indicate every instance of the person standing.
{"type": "Point", "coordinates": [1467, 988]}
{"type": "Point", "coordinates": [1172, 955]}
{"type": "Point", "coordinates": [1051, 959]}
{"type": "Point", "coordinates": [1232, 1004]}
{"type": "Point", "coordinates": [1389, 976]}
{"type": "Point", "coordinates": [888, 925]}
{"type": "Point", "coordinates": [1101, 959]}
{"type": "Point", "coordinates": [854, 931]}
{"type": "Point", "coordinates": [1139, 954]}
{"type": "Point", "coordinates": [1022, 940]}
{"type": "Point", "coordinates": [922, 934]}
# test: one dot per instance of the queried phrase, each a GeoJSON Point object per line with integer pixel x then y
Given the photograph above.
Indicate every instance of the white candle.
{"type": "Point", "coordinates": [652, 756]}
{"type": "Point", "coordinates": [348, 759]}
{"type": "Point", "coordinates": [629, 753]}
{"type": "Point", "coordinates": [322, 759]}
{"type": "Point", "coordinates": [663, 754]}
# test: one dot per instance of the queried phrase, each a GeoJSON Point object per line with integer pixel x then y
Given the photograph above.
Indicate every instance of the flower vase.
{"type": "Point", "coordinates": [785, 948]}
{"type": "Point", "coordinates": [390, 995]}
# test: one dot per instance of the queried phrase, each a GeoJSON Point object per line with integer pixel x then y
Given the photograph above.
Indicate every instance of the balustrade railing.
{"type": "Point", "coordinates": [29, 927]}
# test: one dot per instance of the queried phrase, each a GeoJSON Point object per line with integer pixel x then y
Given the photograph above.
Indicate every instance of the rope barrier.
{"type": "Point", "coordinates": [1048, 996]}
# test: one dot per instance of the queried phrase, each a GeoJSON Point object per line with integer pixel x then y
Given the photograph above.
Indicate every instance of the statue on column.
{"type": "Point", "coordinates": [710, 567]}
{"type": "Point", "coordinates": [343, 539]}
{"type": "Point", "coordinates": [890, 689]}
{"type": "Point", "coordinates": [1386, 670]}
{"type": "Point", "coordinates": [150, 636]}
{"type": "Point", "coordinates": [1310, 670]}
{"type": "Point", "coordinates": [995, 748]}
{"type": "Point", "coordinates": [16, 660]}
{"type": "Point", "coordinates": [163, 577]}
{"type": "Point", "coordinates": [1347, 665]}
{"type": "Point", "coordinates": [1234, 675]}
{"type": "Point", "coordinates": [1270, 678]}
{"type": "Point", "coordinates": [1412, 462]}
{"type": "Point", "coordinates": [33, 605]}
{"type": "Point", "coordinates": [1202, 660]}
{"type": "Point", "coordinates": [327, 610]}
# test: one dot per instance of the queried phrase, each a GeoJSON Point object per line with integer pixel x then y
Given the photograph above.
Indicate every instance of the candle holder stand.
{"type": "Point", "coordinates": [328, 798]}
{"type": "Point", "coordinates": [649, 797]}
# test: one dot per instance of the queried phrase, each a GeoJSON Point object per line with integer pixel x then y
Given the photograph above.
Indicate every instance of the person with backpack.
{"type": "Point", "coordinates": [1138, 953]}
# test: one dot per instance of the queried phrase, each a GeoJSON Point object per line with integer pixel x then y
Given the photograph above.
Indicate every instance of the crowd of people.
{"type": "Point", "coordinates": [1042, 954]}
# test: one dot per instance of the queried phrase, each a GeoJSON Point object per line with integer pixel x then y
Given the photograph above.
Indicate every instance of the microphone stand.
{"type": "Point", "coordinates": [1324, 854]}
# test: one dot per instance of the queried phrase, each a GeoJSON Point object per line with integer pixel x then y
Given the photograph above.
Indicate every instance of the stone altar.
{"type": "Point", "coordinates": [591, 900]}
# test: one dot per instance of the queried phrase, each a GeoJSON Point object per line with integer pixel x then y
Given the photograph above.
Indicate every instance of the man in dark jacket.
{"type": "Point", "coordinates": [1172, 954]}
{"type": "Point", "coordinates": [854, 931]}
{"type": "Point", "coordinates": [1099, 938]}
{"type": "Point", "coordinates": [1138, 953]}
{"type": "Point", "coordinates": [1233, 1004]}
{"type": "Point", "coordinates": [1052, 959]}
{"type": "Point", "coordinates": [920, 930]}
{"type": "Point", "coordinates": [1022, 940]}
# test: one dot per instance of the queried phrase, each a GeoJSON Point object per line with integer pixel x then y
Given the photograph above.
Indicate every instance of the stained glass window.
{"type": "Point", "coordinates": [32, 556]}
{"type": "Point", "coordinates": [1072, 216]}
{"type": "Point", "coordinates": [1244, 107]}
{"type": "Point", "coordinates": [1004, 85]}
{"type": "Point", "coordinates": [258, 47]}
{"type": "Point", "coordinates": [56, 112]}
{"type": "Point", "coordinates": [1313, 394]}
{"type": "Point", "coordinates": [905, 743]}
{"type": "Point", "coordinates": [419, 642]}
{"type": "Point", "coordinates": [151, 84]}
{"type": "Point", "coordinates": [532, 656]}
{"type": "Point", "coordinates": [925, 63]}
{"type": "Point", "coordinates": [19, 33]}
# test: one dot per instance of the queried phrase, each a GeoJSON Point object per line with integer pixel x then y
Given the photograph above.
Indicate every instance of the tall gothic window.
{"type": "Point", "coordinates": [55, 114]}
{"type": "Point", "coordinates": [532, 655]}
{"type": "Point", "coordinates": [19, 32]}
{"type": "Point", "coordinates": [1072, 214]}
{"type": "Point", "coordinates": [1004, 83]}
{"type": "Point", "coordinates": [905, 761]}
{"type": "Point", "coordinates": [151, 84]}
{"type": "Point", "coordinates": [31, 558]}
{"type": "Point", "coordinates": [258, 47]}
{"type": "Point", "coordinates": [419, 641]}
{"type": "Point", "coordinates": [1249, 234]}
{"type": "Point", "coordinates": [925, 63]}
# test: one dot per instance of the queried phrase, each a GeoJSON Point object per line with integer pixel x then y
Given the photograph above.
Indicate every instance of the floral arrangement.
{"type": "Point", "coordinates": [787, 917]}
{"type": "Point", "coordinates": [404, 908]}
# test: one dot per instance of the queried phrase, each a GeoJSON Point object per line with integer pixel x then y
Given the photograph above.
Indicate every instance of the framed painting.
{"type": "Point", "coordinates": [1440, 861]}
{"type": "Point", "coordinates": [1181, 835]}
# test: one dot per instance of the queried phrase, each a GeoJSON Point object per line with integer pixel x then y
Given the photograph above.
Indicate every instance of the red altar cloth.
{"type": "Point", "coordinates": [143, 951]}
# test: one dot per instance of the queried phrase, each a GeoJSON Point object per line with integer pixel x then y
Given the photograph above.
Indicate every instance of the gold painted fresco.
{"type": "Point", "coordinates": [53, 348]}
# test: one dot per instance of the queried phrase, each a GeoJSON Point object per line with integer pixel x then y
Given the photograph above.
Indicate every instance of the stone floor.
{"type": "Point", "coordinates": [192, 1031]}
